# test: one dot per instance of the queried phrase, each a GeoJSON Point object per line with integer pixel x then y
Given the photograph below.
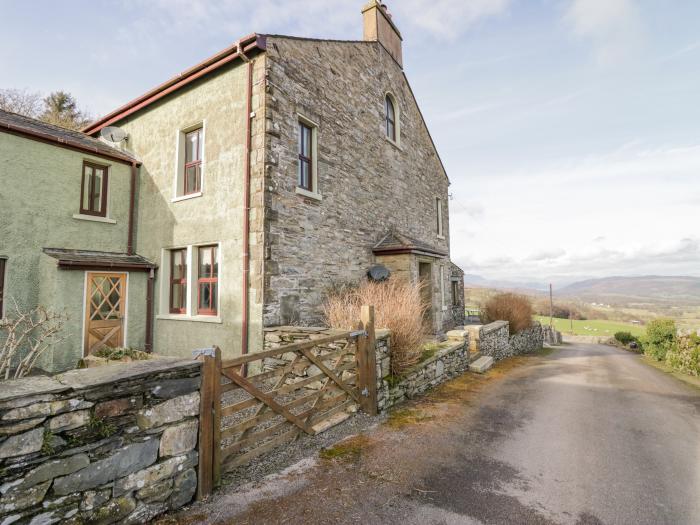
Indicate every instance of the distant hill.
{"type": "Point", "coordinates": [643, 289]}
{"type": "Point", "coordinates": [480, 282]}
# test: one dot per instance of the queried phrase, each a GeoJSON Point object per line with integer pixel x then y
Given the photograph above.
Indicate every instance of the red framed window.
{"type": "Point", "coordinates": [305, 157]}
{"type": "Point", "coordinates": [2, 287]}
{"type": "Point", "coordinates": [390, 119]}
{"type": "Point", "coordinates": [207, 280]}
{"type": "Point", "coordinates": [178, 281]}
{"type": "Point", "coordinates": [93, 190]}
{"type": "Point", "coordinates": [192, 179]}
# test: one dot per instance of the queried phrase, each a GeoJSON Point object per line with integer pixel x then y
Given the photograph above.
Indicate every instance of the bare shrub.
{"type": "Point", "coordinates": [514, 308]}
{"type": "Point", "coordinates": [398, 307]}
{"type": "Point", "coordinates": [25, 336]}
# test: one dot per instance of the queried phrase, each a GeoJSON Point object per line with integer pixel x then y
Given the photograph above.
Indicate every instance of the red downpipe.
{"type": "Point", "coordinates": [132, 203]}
{"type": "Point", "coordinates": [246, 212]}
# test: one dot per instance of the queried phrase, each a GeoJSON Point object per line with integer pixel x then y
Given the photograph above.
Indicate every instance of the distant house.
{"type": "Point", "coordinates": [274, 170]}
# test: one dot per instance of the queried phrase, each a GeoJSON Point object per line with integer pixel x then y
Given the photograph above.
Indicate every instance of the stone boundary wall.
{"type": "Point", "coordinates": [101, 445]}
{"type": "Point", "coordinates": [551, 336]}
{"type": "Point", "coordinates": [494, 340]}
{"type": "Point", "coordinates": [448, 362]}
{"type": "Point", "coordinates": [587, 339]}
{"type": "Point", "coordinates": [491, 339]}
{"type": "Point", "coordinates": [526, 341]}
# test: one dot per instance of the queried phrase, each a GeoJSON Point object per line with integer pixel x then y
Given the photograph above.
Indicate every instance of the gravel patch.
{"type": "Point", "coordinates": [303, 447]}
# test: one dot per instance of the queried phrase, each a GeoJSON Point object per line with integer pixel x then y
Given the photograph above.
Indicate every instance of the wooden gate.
{"type": "Point", "coordinates": [255, 403]}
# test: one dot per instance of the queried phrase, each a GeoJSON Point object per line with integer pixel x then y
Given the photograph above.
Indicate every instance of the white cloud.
{"type": "Point", "coordinates": [612, 26]}
{"type": "Point", "coordinates": [627, 212]}
{"type": "Point", "coordinates": [448, 18]}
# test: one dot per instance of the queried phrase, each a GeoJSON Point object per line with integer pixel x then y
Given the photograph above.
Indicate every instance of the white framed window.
{"type": "Point", "coordinates": [307, 158]}
{"type": "Point", "coordinates": [392, 119]}
{"type": "Point", "coordinates": [190, 162]}
{"type": "Point", "coordinates": [189, 283]}
{"type": "Point", "coordinates": [438, 218]}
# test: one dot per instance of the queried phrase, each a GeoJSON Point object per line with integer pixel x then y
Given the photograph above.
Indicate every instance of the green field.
{"type": "Point", "coordinates": [593, 327]}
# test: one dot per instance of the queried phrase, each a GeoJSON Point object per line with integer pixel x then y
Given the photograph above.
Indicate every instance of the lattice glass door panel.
{"type": "Point", "coordinates": [105, 311]}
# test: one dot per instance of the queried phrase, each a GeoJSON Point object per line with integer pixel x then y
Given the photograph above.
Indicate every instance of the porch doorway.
{"type": "Point", "coordinates": [105, 311]}
{"type": "Point", "coordinates": [425, 277]}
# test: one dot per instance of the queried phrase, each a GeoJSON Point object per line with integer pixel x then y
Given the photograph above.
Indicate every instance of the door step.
{"type": "Point", "coordinates": [482, 364]}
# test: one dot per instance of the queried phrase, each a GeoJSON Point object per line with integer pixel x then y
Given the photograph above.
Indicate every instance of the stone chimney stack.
{"type": "Point", "coordinates": [379, 27]}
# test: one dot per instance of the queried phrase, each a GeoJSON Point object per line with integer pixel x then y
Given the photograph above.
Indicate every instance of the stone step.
{"type": "Point", "coordinates": [474, 357]}
{"type": "Point", "coordinates": [482, 364]}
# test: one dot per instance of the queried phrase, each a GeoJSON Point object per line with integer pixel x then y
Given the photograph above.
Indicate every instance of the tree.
{"type": "Point", "coordinates": [61, 109]}
{"type": "Point", "coordinates": [21, 101]}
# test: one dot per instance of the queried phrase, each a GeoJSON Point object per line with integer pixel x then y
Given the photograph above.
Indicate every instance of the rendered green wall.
{"type": "Point", "coordinates": [215, 217]}
{"type": "Point", "coordinates": [39, 194]}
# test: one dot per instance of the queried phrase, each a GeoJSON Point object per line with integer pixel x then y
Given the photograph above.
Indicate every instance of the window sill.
{"type": "Point", "coordinates": [393, 143]}
{"type": "Point", "coordinates": [186, 197]}
{"type": "Point", "coordinates": [309, 194]}
{"type": "Point", "coordinates": [192, 318]}
{"type": "Point", "coordinates": [93, 218]}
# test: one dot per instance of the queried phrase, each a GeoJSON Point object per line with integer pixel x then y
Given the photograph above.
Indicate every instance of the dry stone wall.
{"type": "Point", "coordinates": [527, 340]}
{"type": "Point", "coordinates": [115, 444]}
{"type": "Point", "coordinates": [494, 339]}
{"type": "Point", "coordinates": [450, 361]}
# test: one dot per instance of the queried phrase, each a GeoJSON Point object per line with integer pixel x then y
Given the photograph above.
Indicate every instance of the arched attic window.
{"type": "Point", "coordinates": [391, 118]}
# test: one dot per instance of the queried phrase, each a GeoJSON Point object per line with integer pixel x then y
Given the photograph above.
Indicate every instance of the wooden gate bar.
{"type": "Point", "coordinates": [330, 374]}
{"type": "Point", "coordinates": [268, 400]}
{"type": "Point", "coordinates": [295, 347]}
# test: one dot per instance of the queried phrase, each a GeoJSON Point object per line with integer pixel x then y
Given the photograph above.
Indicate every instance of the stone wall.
{"type": "Point", "coordinates": [551, 336]}
{"type": "Point", "coordinates": [366, 183]}
{"type": "Point", "coordinates": [494, 339]}
{"type": "Point", "coordinates": [102, 445]}
{"type": "Point", "coordinates": [449, 361]}
{"type": "Point", "coordinates": [526, 341]}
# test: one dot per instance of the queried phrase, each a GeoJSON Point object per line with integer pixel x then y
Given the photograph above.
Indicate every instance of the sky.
{"type": "Point", "coordinates": [570, 129]}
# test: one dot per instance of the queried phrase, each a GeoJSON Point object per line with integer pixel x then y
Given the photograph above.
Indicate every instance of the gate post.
{"type": "Point", "coordinates": [209, 469]}
{"type": "Point", "coordinates": [367, 362]}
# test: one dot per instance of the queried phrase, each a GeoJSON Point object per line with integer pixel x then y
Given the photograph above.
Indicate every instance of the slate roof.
{"type": "Point", "coordinates": [38, 130]}
{"type": "Point", "coordinates": [104, 260]}
{"type": "Point", "coordinates": [394, 242]}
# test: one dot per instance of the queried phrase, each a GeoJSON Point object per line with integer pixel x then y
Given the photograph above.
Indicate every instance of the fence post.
{"type": "Point", "coordinates": [216, 414]}
{"type": "Point", "coordinates": [209, 423]}
{"type": "Point", "coordinates": [367, 361]}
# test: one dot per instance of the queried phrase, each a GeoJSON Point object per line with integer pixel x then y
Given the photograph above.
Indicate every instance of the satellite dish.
{"type": "Point", "coordinates": [113, 134]}
{"type": "Point", "coordinates": [379, 273]}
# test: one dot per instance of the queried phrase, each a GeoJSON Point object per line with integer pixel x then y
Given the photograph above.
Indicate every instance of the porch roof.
{"type": "Point", "coordinates": [394, 243]}
{"type": "Point", "coordinates": [86, 259]}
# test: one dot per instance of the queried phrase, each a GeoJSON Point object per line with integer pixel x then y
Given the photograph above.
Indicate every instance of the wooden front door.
{"type": "Point", "coordinates": [105, 311]}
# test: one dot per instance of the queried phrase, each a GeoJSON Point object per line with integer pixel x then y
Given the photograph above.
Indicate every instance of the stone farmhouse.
{"type": "Point", "coordinates": [247, 187]}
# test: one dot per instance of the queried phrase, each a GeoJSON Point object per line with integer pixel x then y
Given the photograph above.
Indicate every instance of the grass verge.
{"type": "Point", "coordinates": [687, 379]}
